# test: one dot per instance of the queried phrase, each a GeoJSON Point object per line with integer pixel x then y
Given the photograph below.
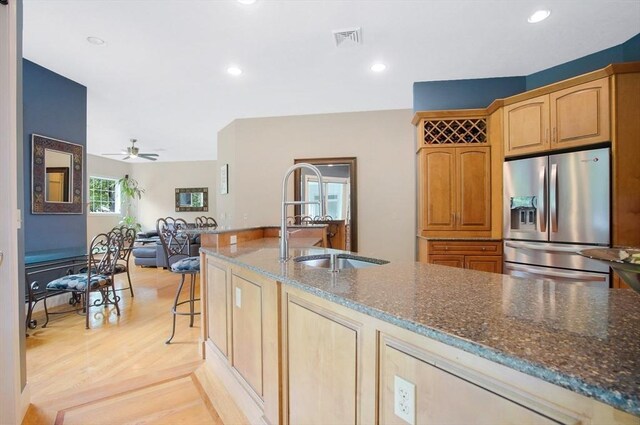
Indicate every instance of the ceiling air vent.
{"type": "Point", "coordinates": [346, 37]}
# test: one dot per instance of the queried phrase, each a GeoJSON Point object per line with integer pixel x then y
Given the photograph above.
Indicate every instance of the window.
{"type": "Point", "coordinates": [336, 192]}
{"type": "Point", "coordinates": [104, 195]}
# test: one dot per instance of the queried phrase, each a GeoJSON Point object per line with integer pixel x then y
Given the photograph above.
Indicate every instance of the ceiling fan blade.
{"type": "Point", "coordinates": [147, 156]}
{"type": "Point", "coordinates": [126, 157]}
{"type": "Point", "coordinates": [121, 153]}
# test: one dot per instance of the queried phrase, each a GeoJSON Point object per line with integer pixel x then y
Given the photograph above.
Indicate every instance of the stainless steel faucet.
{"type": "Point", "coordinates": [284, 236]}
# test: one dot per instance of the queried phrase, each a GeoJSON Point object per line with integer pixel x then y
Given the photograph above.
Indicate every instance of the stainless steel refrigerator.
{"type": "Point", "coordinates": [554, 206]}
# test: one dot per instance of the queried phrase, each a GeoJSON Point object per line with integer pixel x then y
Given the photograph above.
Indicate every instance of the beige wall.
{"type": "Point", "coordinates": [160, 179]}
{"type": "Point", "coordinates": [260, 150]}
{"type": "Point", "coordinates": [98, 166]}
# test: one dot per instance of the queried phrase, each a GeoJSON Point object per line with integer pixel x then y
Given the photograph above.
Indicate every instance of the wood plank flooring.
{"type": "Point", "coordinates": [120, 370]}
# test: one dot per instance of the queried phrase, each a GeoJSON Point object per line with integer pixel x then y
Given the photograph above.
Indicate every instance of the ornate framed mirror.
{"type": "Point", "coordinates": [192, 199]}
{"type": "Point", "coordinates": [56, 176]}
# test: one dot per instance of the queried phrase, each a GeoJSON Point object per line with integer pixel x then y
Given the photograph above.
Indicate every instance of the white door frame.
{"type": "Point", "coordinates": [13, 400]}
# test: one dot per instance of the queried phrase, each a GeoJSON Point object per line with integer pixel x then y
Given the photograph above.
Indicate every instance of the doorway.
{"type": "Point", "coordinates": [340, 188]}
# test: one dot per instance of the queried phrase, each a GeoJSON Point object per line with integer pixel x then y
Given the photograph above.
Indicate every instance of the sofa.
{"type": "Point", "coordinates": [149, 251]}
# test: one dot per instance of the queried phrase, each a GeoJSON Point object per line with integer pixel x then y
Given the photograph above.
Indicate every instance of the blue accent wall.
{"type": "Point", "coordinates": [56, 107]}
{"type": "Point", "coordinates": [626, 52]}
{"type": "Point", "coordinates": [464, 94]}
{"type": "Point", "coordinates": [479, 93]}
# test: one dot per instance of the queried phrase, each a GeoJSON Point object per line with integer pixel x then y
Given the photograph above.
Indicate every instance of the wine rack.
{"type": "Point", "coordinates": [454, 131]}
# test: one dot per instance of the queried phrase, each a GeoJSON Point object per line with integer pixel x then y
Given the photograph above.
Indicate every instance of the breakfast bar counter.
{"type": "Point", "coordinates": [582, 339]}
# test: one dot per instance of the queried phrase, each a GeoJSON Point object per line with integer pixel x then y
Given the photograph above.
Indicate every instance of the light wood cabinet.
{"type": "Point", "coordinates": [217, 306]}
{"type": "Point", "coordinates": [475, 255]}
{"type": "Point", "coordinates": [442, 396]}
{"type": "Point", "coordinates": [456, 189]}
{"type": "Point", "coordinates": [247, 331]}
{"type": "Point", "coordinates": [526, 126]}
{"type": "Point", "coordinates": [322, 366]}
{"type": "Point", "coordinates": [567, 118]}
{"type": "Point", "coordinates": [580, 115]}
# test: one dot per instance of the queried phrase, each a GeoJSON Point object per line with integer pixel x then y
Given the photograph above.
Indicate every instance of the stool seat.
{"type": "Point", "coordinates": [186, 265]}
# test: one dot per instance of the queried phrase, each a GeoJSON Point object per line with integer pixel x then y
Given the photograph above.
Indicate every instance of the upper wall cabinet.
{"type": "Point", "coordinates": [567, 118]}
{"type": "Point", "coordinates": [580, 115]}
{"type": "Point", "coordinates": [526, 127]}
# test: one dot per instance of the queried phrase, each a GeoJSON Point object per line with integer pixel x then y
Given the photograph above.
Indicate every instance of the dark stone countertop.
{"type": "Point", "coordinates": [585, 339]}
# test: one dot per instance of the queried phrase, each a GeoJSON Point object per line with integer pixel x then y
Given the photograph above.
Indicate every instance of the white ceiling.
{"type": "Point", "coordinates": [161, 77]}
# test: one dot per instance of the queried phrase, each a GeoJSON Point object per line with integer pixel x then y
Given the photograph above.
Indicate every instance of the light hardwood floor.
{"type": "Point", "coordinates": [119, 371]}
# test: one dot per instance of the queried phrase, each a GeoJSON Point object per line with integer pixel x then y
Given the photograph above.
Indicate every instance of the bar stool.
{"type": "Point", "coordinates": [176, 247]}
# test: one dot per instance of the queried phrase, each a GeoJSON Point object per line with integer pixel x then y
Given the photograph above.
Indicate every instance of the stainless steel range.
{"type": "Point", "coordinates": [554, 206]}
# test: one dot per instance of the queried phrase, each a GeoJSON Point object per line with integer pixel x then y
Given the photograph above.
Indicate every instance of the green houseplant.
{"type": "Point", "coordinates": [129, 191]}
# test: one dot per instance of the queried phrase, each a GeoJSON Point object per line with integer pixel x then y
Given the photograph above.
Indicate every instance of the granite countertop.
{"type": "Point", "coordinates": [585, 339]}
{"type": "Point", "coordinates": [218, 230]}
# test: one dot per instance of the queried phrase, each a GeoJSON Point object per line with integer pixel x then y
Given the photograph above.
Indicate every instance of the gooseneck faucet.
{"type": "Point", "coordinates": [284, 236]}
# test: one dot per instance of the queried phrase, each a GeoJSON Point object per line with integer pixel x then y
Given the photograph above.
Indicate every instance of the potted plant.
{"type": "Point", "coordinates": [129, 191]}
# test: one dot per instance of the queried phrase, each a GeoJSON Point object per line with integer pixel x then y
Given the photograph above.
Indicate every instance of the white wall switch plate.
{"type": "Point", "coordinates": [238, 297]}
{"type": "Point", "coordinates": [404, 400]}
{"type": "Point", "coordinates": [233, 239]}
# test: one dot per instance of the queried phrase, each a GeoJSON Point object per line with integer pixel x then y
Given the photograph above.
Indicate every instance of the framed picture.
{"type": "Point", "coordinates": [224, 179]}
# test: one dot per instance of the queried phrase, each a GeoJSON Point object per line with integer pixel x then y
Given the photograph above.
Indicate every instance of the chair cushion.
{"type": "Point", "coordinates": [79, 282]}
{"type": "Point", "coordinates": [190, 264]}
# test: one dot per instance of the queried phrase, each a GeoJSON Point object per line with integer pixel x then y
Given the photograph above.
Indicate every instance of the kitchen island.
{"type": "Point", "coordinates": [297, 344]}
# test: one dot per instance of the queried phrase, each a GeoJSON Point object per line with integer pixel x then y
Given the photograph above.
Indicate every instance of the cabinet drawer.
{"type": "Point", "coordinates": [465, 247]}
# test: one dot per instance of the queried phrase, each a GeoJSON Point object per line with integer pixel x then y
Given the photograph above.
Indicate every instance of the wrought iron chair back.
{"type": "Point", "coordinates": [128, 238]}
{"type": "Point", "coordinates": [175, 243]}
{"type": "Point", "coordinates": [104, 253]}
{"type": "Point", "coordinates": [208, 222]}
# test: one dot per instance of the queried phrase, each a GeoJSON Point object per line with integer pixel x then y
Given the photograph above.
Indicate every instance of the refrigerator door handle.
{"type": "Point", "coordinates": [547, 273]}
{"type": "Point", "coordinates": [553, 198]}
{"type": "Point", "coordinates": [542, 199]}
{"type": "Point", "coordinates": [522, 245]}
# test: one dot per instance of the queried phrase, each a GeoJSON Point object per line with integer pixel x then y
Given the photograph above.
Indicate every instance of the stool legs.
{"type": "Point", "coordinates": [192, 302]}
{"type": "Point", "coordinates": [173, 310]}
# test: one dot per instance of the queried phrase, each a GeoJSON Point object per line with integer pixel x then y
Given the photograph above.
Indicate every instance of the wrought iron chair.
{"type": "Point", "coordinates": [104, 252]}
{"type": "Point", "coordinates": [176, 248]}
{"type": "Point", "coordinates": [128, 239]}
{"type": "Point", "coordinates": [208, 222]}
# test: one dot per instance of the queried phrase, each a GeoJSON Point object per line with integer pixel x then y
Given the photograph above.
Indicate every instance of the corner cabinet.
{"type": "Point", "coordinates": [455, 177]}
{"type": "Point", "coordinates": [567, 118]}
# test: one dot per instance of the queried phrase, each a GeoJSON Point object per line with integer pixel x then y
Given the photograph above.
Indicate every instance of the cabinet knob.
{"type": "Point", "coordinates": [446, 248]}
{"type": "Point", "coordinates": [484, 248]}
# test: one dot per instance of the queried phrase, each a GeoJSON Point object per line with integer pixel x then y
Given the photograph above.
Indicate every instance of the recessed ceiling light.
{"type": "Point", "coordinates": [246, 1]}
{"type": "Point", "coordinates": [96, 40]}
{"type": "Point", "coordinates": [538, 15]}
{"type": "Point", "coordinates": [234, 70]}
{"type": "Point", "coordinates": [378, 67]}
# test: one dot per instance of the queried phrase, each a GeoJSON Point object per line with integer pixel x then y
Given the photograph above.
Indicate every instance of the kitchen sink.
{"type": "Point", "coordinates": [336, 262]}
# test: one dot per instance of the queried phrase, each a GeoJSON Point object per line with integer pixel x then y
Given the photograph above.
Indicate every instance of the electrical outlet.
{"type": "Point", "coordinates": [238, 297]}
{"type": "Point", "coordinates": [404, 400]}
{"type": "Point", "coordinates": [233, 239]}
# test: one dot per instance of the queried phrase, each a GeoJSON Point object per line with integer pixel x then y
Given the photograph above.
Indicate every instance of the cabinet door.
{"type": "Point", "coordinates": [485, 263]}
{"type": "Point", "coordinates": [580, 115]}
{"type": "Point", "coordinates": [247, 331]}
{"type": "Point", "coordinates": [448, 260]}
{"type": "Point", "coordinates": [526, 126]}
{"type": "Point", "coordinates": [473, 166]}
{"type": "Point", "coordinates": [438, 187]}
{"type": "Point", "coordinates": [322, 367]}
{"type": "Point", "coordinates": [441, 397]}
{"type": "Point", "coordinates": [217, 301]}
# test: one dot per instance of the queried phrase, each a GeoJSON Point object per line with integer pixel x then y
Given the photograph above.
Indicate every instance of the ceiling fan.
{"type": "Point", "coordinates": [134, 152]}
